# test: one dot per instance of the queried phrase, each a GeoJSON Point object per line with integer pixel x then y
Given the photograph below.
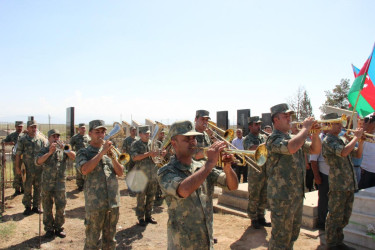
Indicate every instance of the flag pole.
{"type": "Point", "coordinates": [359, 92]}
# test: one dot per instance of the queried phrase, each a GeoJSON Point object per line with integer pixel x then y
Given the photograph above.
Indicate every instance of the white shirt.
{"type": "Point", "coordinates": [368, 160]}
{"type": "Point", "coordinates": [323, 166]}
{"type": "Point", "coordinates": [238, 143]}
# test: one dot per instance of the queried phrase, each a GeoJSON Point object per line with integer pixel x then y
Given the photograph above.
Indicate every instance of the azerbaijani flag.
{"type": "Point", "coordinates": [364, 87]}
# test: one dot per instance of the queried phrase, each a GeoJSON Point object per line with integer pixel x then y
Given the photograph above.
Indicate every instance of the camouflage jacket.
{"type": "Point", "coordinates": [53, 176]}
{"type": "Point", "coordinates": [12, 137]}
{"type": "Point", "coordinates": [126, 145]}
{"type": "Point", "coordinates": [79, 141]}
{"type": "Point", "coordinates": [285, 171]}
{"type": "Point", "coordinates": [101, 185]}
{"type": "Point", "coordinates": [341, 169]}
{"type": "Point", "coordinates": [190, 219]}
{"type": "Point", "coordinates": [251, 140]}
{"type": "Point", "coordinates": [29, 148]}
{"type": "Point", "coordinates": [146, 165]}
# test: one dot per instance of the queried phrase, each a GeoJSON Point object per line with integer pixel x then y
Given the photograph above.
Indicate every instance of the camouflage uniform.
{"type": "Point", "coordinates": [342, 184]}
{"type": "Point", "coordinates": [285, 189]}
{"type": "Point", "coordinates": [148, 167]}
{"type": "Point", "coordinates": [29, 147]}
{"type": "Point", "coordinates": [102, 200]}
{"type": "Point", "coordinates": [126, 145]}
{"type": "Point", "coordinates": [77, 142]}
{"type": "Point", "coordinates": [257, 182]}
{"type": "Point", "coordinates": [190, 219]}
{"type": "Point", "coordinates": [53, 189]}
{"type": "Point", "coordinates": [17, 180]}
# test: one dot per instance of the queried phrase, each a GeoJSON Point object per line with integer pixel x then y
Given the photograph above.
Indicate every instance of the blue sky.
{"type": "Point", "coordinates": [163, 60]}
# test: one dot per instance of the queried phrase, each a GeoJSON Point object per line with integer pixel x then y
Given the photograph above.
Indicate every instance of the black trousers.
{"type": "Point", "coordinates": [323, 200]}
{"type": "Point", "coordinates": [240, 170]}
{"type": "Point", "coordinates": [367, 179]}
{"type": "Point", "coordinates": [309, 179]}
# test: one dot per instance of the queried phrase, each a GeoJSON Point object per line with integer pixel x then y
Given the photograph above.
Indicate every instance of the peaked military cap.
{"type": "Point", "coordinates": [31, 123]}
{"type": "Point", "coordinates": [132, 127]}
{"type": "Point", "coordinates": [81, 125]}
{"type": "Point", "coordinates": [330, 116]}
{"type": "Point", "coordinates": [202, 113]}
{"type": "Point", "coordinates": [281, 108]}
{"type": "Point", "coordinates": [19, 123]}
{"type": "Point", "coordinates": [144, 129]}
{"type": "Point", "coordinates": [184, 128]}
{"type": "Point", "coordinates": [53, 132]}
{"type": "Point", "coordinates": [95, 124]}
{"type": "Point", "coordinates": [254, 119]}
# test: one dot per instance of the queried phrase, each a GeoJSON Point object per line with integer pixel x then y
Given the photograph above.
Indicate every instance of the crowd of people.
{"type": "Point", "coordinates": [187, 180]}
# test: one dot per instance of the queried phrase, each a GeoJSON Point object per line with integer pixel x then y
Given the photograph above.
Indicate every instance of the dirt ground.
{"type": "Point", "coordinates": [233, 232]}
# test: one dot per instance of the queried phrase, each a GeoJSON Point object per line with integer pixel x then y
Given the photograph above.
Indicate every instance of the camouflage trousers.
{"type": "Point", "coordinates": [48, 199]}
{"type": "Point", "coordinates": [257, 187]}
{"type": "Point", "coordinates": [144, 210]}
{"type": "Point", "coordinates": [104, 222]}
{"type": "Point", "coordinates": [33, 180]}
{"type": "Point", "coordinates": [340, 205]}
{"type": "Point", "coordinates": [17, 179]}
{"type": "Point", "coordinates": [286, 219]}
{"type": "Point", "coordinates": [79, 179]}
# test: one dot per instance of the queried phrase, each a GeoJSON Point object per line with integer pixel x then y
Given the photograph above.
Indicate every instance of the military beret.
{"type": "Point", "coordinates": [81, 125]}
{"type": "Point", "coordinates": [144, 129]}
{"type": "Point", "coordinates": [184, 128]}
{"type": "Point", "coordinates": [19, 123]}
{"type": "Point", "coordinates": [31, 123]}
{"type": "Point", "coordinates": [254, 119]}
{"type": "Point", "coordinates": [53, 132]}
{"type": "Point", "coordinates": [95, 124]}
{"type": "Point", "coordinates": [280, 108]}
{"type": "Point", "coordinates": [330, 116]}
{"type": "Point", "coordinates": [202, 113]}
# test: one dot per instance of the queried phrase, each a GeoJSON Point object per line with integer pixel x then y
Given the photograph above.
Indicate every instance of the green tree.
{"type": "Point", "coordinates": [338, 97]}
{"type": "Point", "coordinates": [301, 104]}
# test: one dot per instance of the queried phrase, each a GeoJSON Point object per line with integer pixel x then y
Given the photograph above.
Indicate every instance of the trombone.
{"type": "Point", "coordinates": [229, 134]}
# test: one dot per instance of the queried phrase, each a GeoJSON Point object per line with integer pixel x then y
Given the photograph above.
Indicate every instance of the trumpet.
{"type": "Point", "coordinates": [259, 155]}
{"type": "Point", "coordinates": [325, 124]}
{"type": "Point", "coordinates": [366, 136]}
{"type": "Point", "coordinates": [64, 147]}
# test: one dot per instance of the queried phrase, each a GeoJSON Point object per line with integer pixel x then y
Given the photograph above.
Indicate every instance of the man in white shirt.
{"type": "Point", "coordinates": [368, 156]}
{"type": "Point", "coordinates": [239, 169]}
{"type": "Point", "coordinates": [321, 171]}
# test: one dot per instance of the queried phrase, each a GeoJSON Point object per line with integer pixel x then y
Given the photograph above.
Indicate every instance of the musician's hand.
{"type": "Point", "coordinates": [154, 153]}
{"type": "Point", "coordinates": [52, 148]}
{"type": "Point", "coordinates": [308, 123]}
{"type": "Point", "coordinates": [227, 159]}
{"type": "Point", "coordinates": [358, 133]}
{"type": "Point", "coordinates": [107, 146]}
{"type": "Point", "coordinates": [18, 170]}
{"type": "Point", "coordinates": [214, 151]}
